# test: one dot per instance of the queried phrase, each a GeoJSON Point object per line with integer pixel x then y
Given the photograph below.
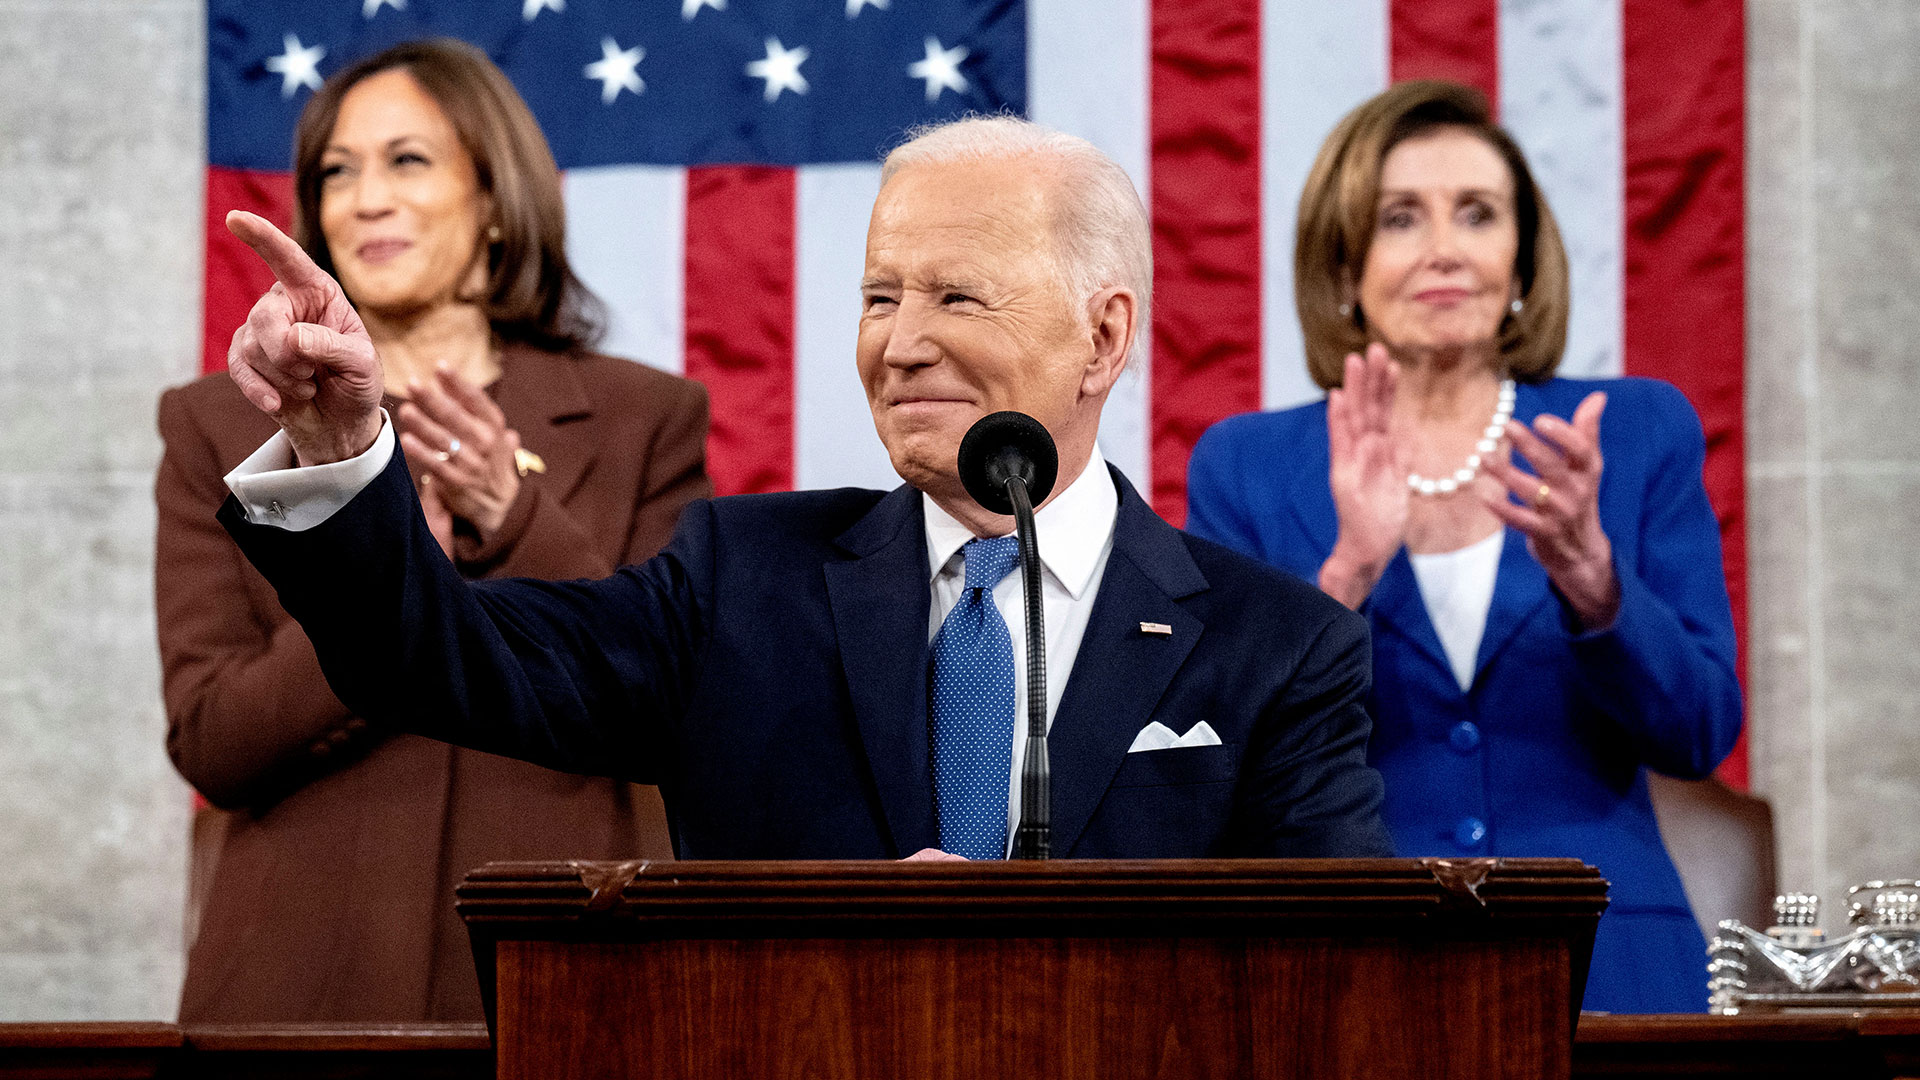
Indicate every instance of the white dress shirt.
{"type": "Point", "coordinates": [1075, 533]}
{"type": "Point", "coordinates": [272, 490]}
{"type": "Point", "coordinates": [1076, 537]}
{"type": "Point", "coordinates": [1457, 587]}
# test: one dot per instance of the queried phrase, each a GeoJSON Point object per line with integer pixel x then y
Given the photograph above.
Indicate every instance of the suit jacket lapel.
{"type": "Point", "coordinates": [1120, 673]}
{"type": "Point", "coordinates": [541, 393]}
{"type": "Point", "coordinates": [880, 599]}
{"type": "Point", "coordinates": [1396, 597]}
{"type": "Point", "coordinates": [1521, 585]}
{"type": "Point", "coordinates": [1519, 588]}
{"type": "Point", "coordinates": [1395, 600]}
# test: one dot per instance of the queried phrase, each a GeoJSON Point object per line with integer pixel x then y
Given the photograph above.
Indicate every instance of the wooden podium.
{"type": "Point", "coordinates": [1377, 968]}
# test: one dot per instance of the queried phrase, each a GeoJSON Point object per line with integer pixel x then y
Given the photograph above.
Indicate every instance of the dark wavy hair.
{"type": "Point", "coordinates": [531, 294]}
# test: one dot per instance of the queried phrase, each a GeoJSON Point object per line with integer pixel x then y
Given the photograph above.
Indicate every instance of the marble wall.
{"type": "Point", "coordinates": [1833, 450]}
{"type": "Point", "coordinates": [100, 190]}
{"type": "Point", "coordinates": [100, 216]}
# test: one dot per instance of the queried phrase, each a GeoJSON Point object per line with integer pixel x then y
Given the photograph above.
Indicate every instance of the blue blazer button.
{"type": "Point", "coordinates": [1465, 736]}
{"type": "Point", "coordinates": [1469, 833]}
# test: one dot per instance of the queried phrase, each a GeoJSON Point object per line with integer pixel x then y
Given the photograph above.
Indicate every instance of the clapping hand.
{"type": "Point", "coordinates": [458, 443]}
{"type": "Point", "coordinates": [1558, 506]}
{"type": "Point", "coordinates": [1368, 475]}
{"type": "Point", "coordinates": [302, 357]}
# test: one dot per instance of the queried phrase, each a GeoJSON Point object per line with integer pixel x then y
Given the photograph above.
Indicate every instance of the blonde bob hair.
{"type": "Point", "coordinates": [1340, 206]}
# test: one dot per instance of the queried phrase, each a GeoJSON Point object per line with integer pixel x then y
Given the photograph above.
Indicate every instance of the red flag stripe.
{"type": "Point", "coordinates": [1458, 40]}
{"type": "Point", "coordinates": [1205, 183]}
{"type": "Point", "coordinates": [1683, 69]}
{"type": "Point", "coordinates": [739, 320]}
{"type": "Point", "coordinates": [234, 276]}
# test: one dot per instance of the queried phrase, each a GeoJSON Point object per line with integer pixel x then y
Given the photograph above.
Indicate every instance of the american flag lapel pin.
{"type": "Point", "coordinates": [1160, 628]}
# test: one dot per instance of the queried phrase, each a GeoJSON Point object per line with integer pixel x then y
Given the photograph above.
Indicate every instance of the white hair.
{"type": "Point", "coordinates": [1100, 226]}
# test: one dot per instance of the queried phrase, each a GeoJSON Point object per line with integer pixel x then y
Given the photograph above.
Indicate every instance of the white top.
{"type": "Point", "coordinates": [1076, 536]}
{"type": "Point", "coordinates": [1457, 587]}
{"type": "Point", "coordinates": [1075, 533]}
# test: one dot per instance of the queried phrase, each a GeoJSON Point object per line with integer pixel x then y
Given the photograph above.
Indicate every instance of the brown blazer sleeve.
{"type": "Point", "coordinates": [249, 715]}
{"type": "Point", "coordinates": [541, 538]}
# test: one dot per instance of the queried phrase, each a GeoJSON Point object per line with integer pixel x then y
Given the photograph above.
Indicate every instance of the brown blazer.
{"type": "Point", "coordinates": [332, 896]}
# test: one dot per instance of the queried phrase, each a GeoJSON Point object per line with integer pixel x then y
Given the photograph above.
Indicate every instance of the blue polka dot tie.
{"type": "Point", "coordinates": [972, 706]}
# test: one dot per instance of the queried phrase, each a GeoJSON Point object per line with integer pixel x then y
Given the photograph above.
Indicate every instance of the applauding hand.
{"type": "Point", "coordinates": [458, 443]}
{"type": "Point", "coordinates": [1558, 506]}
{"type": "Point", "coordinates": [1368, 475]}
{"type": "Point", "coordinates": [302, 357]}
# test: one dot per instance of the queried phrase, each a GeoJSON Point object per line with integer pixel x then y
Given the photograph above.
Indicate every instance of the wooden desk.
{"type": "Point", "coordinates": [1841, 1047]}
{"type": "Point", "coordinates": [155, 1051]}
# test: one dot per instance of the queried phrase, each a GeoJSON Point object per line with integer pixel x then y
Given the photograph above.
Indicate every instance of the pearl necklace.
{"type": "Point", "coordinates": [1489, 439]}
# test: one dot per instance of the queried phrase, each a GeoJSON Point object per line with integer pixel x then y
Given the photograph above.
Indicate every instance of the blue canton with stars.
{"type": "Point", "coordinates": [971, 708]}
{"type": "Point", "coordinates": [643, 82]}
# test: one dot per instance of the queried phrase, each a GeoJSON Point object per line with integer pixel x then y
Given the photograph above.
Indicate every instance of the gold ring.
{"type": "Point", "coordinates": [1545, 493]}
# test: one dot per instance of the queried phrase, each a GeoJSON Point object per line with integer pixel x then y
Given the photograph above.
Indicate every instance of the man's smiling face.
{"type": "Point", "coordinates": [965, 312]}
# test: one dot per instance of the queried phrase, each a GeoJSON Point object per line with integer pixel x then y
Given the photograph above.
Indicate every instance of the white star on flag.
{"type": "Point", "coordinates": [615, 71]}
{"type": "Point", "coordinates": [854, 7]}
{"type": "Point", "coordinates": [372, 7]}
{"type": "Point", "coordinates": [297, 67]}
{"type": "Point", "coordinates": [530, 8]}
{"type": "Point", "coordinates": [690, 8]}
{"type": "Point", "coordinates": [941, 69]}
{"type": "Point", "coordinates": [781, 69]}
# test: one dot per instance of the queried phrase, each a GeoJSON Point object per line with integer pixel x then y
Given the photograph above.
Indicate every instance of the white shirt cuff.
{"type": "Point", "coordinates": [273, 490]}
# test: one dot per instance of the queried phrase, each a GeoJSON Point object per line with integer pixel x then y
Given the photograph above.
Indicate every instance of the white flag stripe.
{"type": "Point", "coordinates": [626, 238]}
{"type": "Point", "coordinates": [1087, 74]}
{"type": "Point", "coordinates": [1318, 60]}
{"type": "Point", "coordinates": [1560, 96]}
{"type": "Point", "coordinates": [834, 441]}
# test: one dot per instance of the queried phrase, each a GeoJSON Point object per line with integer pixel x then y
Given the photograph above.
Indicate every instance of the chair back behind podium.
{"type": "Point", "coordinates": [1379, 968]}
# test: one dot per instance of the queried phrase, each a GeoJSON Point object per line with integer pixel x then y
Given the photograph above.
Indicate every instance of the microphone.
{"type": "Point", "coordinates": [1008, 463]}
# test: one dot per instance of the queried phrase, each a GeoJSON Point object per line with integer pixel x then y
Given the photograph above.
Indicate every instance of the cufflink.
{"type": "Point", "coordinates": [276, 510]}
{"type": "Point", "coordinates": [1160, 628]}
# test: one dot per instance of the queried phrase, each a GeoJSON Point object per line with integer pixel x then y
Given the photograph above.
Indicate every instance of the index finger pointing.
{"type": "Point", "coordinates": [284, 257]}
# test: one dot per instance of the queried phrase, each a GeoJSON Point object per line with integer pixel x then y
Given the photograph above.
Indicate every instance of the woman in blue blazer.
{"type": "Point", "coordinates": [1548, 608]}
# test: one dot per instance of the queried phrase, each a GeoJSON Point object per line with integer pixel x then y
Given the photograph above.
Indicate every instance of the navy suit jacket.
{"type": "Point", "coordinates": [1545, 753]}
{"type": "Point", "coordinates": [769, 671]}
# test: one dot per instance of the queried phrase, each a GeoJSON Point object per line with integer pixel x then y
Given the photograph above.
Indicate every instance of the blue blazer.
{"type": "Point", "coordinates": [1543, 755]}
{"type": "Point", "coordinates": [769, 671]}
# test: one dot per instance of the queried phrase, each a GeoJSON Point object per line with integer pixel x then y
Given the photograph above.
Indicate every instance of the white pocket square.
{"type": "Point", "coordinates": [1158, 736]}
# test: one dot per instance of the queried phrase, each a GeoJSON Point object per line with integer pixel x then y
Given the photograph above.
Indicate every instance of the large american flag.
{"type": "Point", "coordinates": [721, 157]}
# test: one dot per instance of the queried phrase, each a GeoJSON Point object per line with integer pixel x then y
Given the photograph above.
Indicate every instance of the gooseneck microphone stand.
{"type": "Point", "coordinates": [1007, 463]}
{"type": "Point", "coordinates": [1034, 838]}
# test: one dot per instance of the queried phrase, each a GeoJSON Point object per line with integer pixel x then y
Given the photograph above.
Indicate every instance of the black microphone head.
{"type": "Point", "coordinates": [1003, 445]}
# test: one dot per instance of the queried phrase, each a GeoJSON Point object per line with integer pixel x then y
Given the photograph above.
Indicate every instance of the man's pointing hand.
{"type": "Point", "coordinates": [303, 357]}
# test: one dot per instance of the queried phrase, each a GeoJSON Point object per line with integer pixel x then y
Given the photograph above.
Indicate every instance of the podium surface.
{"type": "Point", "coordinates": [1180, 968]}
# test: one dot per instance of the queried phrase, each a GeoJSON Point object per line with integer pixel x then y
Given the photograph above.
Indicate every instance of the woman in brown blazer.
{"type": "Point", "coordinates": [422, 182]}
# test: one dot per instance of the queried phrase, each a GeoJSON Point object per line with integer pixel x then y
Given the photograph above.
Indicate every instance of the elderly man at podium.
{"type": "Point", "coordinates": [831, 674]}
